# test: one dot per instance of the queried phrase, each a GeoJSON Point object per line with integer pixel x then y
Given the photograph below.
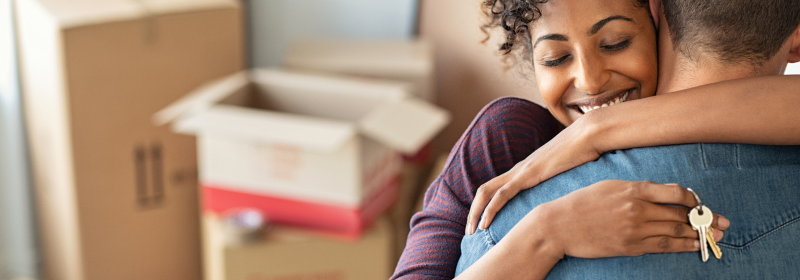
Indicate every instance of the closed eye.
{"type": "Point", "coordinates": [555, 62]}
{"type": "Point", "coordinates": [618, 46]}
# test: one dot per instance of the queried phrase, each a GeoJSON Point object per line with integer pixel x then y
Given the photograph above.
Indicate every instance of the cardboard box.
{"type": "Point", "coordinates": [284, 142]}
{"type": "Point", "coordinates": [117, 196]}
{"type": "Point", "coordinates": [289, 253]}
{"type": "Point", "coordinates": [404, 60]}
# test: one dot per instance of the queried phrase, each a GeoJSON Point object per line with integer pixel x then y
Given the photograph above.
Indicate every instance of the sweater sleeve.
{"type": "Point", "coordinates": [505, 132]}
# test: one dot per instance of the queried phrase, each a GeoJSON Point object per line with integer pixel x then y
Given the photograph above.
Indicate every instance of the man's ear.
{"type": "Point", "coordinates": [794, 47]}
{"type": "Point", "coordinates": [655, 11]}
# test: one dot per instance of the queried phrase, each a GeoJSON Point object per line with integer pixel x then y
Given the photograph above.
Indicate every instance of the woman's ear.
{"type": "Point", "coordinates": [655, 11]}
{"type": "Point", "coordinates": [794, 48]}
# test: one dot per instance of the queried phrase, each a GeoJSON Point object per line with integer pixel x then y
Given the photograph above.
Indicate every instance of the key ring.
{"type": "Point", "coordinates": [699, 204]}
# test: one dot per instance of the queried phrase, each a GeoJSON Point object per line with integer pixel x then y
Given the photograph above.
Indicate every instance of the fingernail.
{"type": "Point", "coordinates": [483, 224]}
{"type": "Point", "coordinates": [671, 184]}
{"type": "Point", "coordinates": [724, 222]}
{"type": "Point", "coordinates": [696, 244]}
{"type": "Point", "coordinates": [468, 229]}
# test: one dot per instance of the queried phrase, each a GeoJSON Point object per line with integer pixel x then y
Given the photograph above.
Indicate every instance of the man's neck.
{"type": "Point", "coordinates": [677, 72]}
{"type": "Point", "coordinates": [687, 73]}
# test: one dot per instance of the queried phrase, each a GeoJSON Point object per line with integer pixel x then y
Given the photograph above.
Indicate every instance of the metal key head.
{"type": "Point", "coordinates": [701, 220]}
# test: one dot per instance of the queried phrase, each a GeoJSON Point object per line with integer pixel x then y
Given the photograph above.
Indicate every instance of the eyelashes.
{"type": "Point", "coordinates": [618, 46]}
{"type": "Point", "coordinates": [609, 48]}
{"type": "Point", "coordinates": [555, 62]}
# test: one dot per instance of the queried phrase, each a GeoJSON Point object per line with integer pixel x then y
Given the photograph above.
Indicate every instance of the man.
{"type": "Point", "coordinates": [756, 187]}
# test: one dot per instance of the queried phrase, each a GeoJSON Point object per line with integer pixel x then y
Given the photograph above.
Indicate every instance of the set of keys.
{"type": "Point", "coordinates": [700, 218]}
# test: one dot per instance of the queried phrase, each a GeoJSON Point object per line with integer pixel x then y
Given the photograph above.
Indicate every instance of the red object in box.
{"type": "Point", "coordinates": [338, 219]}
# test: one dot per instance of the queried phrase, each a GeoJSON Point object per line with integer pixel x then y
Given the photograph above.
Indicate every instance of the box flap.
{"type": "Point", "coordinates": [318, 134]}
{"type": "Point", "coordinates": [74, 13]}
{"type": "Point", "coordinates": [405, 125]}
{"type": "Point", "coordinates": [202, 98]}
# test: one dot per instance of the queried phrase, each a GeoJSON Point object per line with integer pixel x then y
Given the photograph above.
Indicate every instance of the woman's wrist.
{"type": "Point", "coordinates": [542, 240]}
{"type": "Point", "coordinates": [594, 129]}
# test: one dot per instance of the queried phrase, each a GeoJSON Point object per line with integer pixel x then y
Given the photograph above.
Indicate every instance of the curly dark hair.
{"type": "Point", "coordinates": [514, 17]}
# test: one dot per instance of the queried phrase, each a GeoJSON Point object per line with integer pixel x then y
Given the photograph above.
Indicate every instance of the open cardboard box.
{"type": "Point", "coordinates": [306, 149]}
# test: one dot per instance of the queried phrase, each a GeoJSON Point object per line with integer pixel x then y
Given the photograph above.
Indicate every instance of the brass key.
{"type": "Point", "coordinates": [713, 244]}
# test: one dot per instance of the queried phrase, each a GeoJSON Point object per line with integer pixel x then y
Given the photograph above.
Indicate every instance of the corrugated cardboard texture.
{"type": "Point", "coordinates": [117, 196]}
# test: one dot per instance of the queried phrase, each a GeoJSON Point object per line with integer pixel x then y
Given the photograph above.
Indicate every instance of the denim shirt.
{"type": "Point", "coordinates": [756, 187]}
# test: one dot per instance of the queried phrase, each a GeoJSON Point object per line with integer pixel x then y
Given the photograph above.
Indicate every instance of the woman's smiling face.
{"type": "Point", "coordinates": [592, 54]}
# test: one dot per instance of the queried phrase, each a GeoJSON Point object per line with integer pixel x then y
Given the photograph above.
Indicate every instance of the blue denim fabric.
{"type": "Point", "coordinates": [756, 187]}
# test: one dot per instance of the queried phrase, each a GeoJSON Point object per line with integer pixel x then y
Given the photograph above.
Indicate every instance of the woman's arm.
{"type": "Point", "coordinates": [761, 110]}
{"type": "Point", "coordinates": [503, 133]}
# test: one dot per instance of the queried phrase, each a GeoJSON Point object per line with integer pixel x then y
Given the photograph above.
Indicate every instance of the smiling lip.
{"type": "Point", "coordinates": [584, 106]}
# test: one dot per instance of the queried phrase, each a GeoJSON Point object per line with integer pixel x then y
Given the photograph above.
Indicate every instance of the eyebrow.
{"type": "Point", "coordinates": [595, 28]}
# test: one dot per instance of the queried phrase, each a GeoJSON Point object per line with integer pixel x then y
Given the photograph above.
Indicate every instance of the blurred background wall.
{"type": "Point", "coordinates": [468, 74]}
{"type": "Point", "coordinates": [274, 24]}
{"type": "Point", "coordinates": [18, 257]}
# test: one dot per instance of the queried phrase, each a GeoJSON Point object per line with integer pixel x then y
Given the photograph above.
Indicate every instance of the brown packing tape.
{"type": "Point", "coordinates": [151, 36]}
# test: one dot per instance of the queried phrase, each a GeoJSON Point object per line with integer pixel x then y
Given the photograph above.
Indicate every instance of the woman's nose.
{"type": "Point", "coordinates": [590, 75]}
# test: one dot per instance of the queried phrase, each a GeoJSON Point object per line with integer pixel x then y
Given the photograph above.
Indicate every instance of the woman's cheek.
{"type": "Point", "coordinates": [552, 88]}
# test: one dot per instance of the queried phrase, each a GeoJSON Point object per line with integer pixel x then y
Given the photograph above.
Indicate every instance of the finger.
{"type": "Point", "coordinates": [661, 212]}
{"type": "Point", "coordinates": [665, 193]}
{"type": "Point", "coordinates": [669, 229]}
{"type": "Point", "coordinates": [666, 244]}
{"type": "Point", "coordinates": [482, 196]}
{"type": "Point", "coordinates": [501, 197]}
{"type": "Point", "coordinates": [718, 234]}
{"type": "Point", "coordinates": [720, 222]}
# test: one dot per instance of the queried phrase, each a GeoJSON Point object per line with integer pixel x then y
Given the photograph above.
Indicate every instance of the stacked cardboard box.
{"type": "Point", "coordinates": [305, 149]}
{"type": "Point", "coordinates": [117, 196]}
{"type": "Point", "coordinates": [290, 253]}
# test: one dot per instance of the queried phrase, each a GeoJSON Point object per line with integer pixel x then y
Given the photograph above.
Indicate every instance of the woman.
{"type": "Point", "coordinates": [625, 44]}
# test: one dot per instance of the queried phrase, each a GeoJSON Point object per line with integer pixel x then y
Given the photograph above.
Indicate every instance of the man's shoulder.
{"type": "Point", "coordinates": [701, 156]}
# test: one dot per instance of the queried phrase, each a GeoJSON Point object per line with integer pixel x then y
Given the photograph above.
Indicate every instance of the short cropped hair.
{"type": "Point", "coordinates": [731, 31]}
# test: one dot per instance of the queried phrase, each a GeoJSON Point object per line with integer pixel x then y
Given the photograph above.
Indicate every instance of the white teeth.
{"type": "Point", "coordinates": [618, 100]}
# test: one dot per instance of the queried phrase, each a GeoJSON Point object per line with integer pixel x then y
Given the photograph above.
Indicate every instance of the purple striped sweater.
{"type": "Point", "coordinates": [505, 132]}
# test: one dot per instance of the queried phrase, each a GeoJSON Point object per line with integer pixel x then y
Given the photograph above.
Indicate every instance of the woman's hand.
{"type": "Point", "coordinates": [623, 218]}
{"type": "Point", "coordinates": [570, 148]}
{"type": "Point", "coordinates": [606, 219]}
